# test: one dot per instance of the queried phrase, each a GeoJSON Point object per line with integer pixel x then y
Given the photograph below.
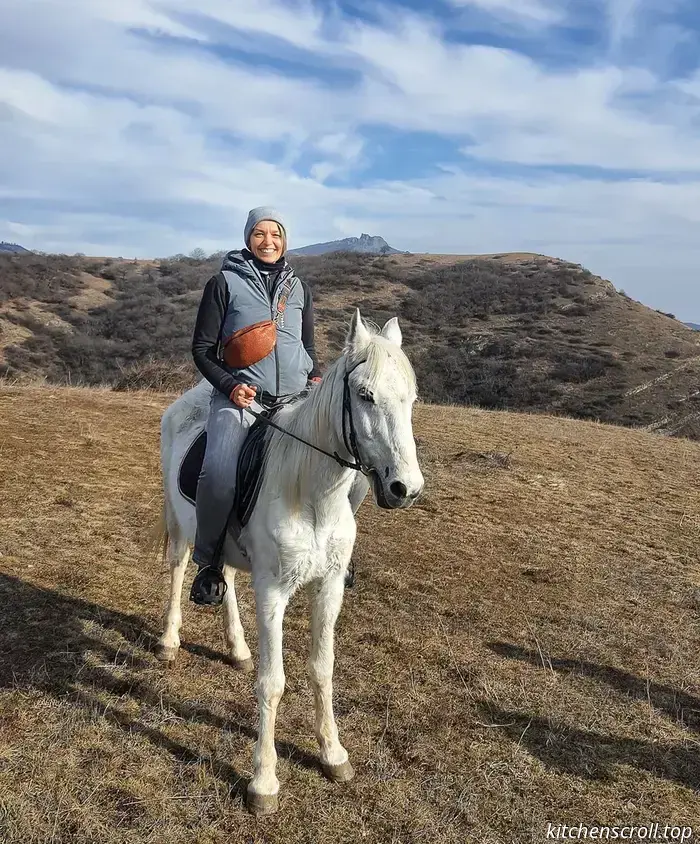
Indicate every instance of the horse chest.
{"type": "Point", "coordinates": [314, 553]}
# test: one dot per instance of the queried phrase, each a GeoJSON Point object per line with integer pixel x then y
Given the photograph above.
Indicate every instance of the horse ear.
{"type": "Point", "coordinates": [357, 336]}
{"type": "Point", "coordinates": [392, 332]}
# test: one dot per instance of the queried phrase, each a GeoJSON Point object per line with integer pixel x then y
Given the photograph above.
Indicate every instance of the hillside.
{"type": "Point", "coordinates": [517, 331]}
{"type": "Point", "coordinates": [521, 647]}
{"type": "Point", "coordinates": [366, 244]}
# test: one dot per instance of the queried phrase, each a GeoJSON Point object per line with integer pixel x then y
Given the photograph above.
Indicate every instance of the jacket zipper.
{"type": "Point", "coordinates": [280, 281]}
{"type": "Point", "coordinates": [263, 288]}
{"type": "Point", "coordinates": [278, 285]}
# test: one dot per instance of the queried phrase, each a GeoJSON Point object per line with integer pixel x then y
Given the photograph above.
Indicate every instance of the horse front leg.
{"type": "Point", "coordinates": [270, 604]}
{"type": "Point", "coordinates": [326, 598]}
{"type": "Point", "coordinates": [178, 555]}
{"type": "Point", "coordinates": [239, 651]}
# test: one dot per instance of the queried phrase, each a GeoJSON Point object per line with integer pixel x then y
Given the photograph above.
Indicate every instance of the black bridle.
{"type": "Point", "coordinates": [349, 432]}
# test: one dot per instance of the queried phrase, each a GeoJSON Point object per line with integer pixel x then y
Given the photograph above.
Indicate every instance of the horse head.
{"type": "Point", "coordinates": [379, 396]}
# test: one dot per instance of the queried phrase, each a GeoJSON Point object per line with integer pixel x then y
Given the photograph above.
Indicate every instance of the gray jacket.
{"type": "Point", "coordinates": [238, 297]}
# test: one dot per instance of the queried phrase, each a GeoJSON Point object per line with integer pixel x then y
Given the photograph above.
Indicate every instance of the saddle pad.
{"type": "Point", "coordinates": [248, 471]}
{"type": "Point", "coordinates": [191, 466]}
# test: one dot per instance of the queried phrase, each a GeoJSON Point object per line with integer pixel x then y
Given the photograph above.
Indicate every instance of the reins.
{"type": "Point", "coordinates": [347, 411]}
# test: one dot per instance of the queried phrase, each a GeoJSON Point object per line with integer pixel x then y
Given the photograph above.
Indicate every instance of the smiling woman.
{"type": "Point", "coordinates": [267, 240]}
{"type": "Point", "coordinates": [251, 357]}
{"type": "Point", "coordinates": [254, 343]}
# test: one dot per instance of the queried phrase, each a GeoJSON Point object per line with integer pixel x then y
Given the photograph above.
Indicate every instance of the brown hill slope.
{"type": "Point", "coordinates": [516, 331]}
{"type": "Point", "coordinates": [521, 647]}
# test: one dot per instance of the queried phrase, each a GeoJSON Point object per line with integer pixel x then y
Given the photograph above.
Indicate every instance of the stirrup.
{"type": "Point", "coordinates": [208, 587]}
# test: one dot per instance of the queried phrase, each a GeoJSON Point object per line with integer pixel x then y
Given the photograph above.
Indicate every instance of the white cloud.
{"type": "Point", "coordinates": [113, 142]}
{"type": "Point", "coordinates": [509, 107]}
{"type": "Point", "coordinates": [531, 10]}
{"type": "Point", "coordinates": [622, 18]}
{"type": "Point", "coordinates": [125, 13]}
{"type": "Point", "coordinates": [298, 23]}
{"type": "Point", "coordinates": [516, 111]}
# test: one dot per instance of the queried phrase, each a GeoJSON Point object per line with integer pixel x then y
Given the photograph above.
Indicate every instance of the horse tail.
{"type": "Point", "coordinates": [157, 542]}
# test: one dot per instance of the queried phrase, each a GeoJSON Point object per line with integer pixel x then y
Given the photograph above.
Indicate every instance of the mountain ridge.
{"type": "Point", "coordinates": [12, 248]}
{"type": "Point", "coordinates": [364, 244]}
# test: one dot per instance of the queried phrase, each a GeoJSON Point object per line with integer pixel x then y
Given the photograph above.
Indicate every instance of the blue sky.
{"type": "Point", "coordinates": [568, 127]}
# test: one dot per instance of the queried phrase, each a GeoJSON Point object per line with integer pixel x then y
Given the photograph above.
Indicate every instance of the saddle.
{"type": "Point", "coordinates": [249, 471]}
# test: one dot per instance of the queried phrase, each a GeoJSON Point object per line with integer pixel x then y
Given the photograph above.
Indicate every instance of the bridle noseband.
{"type": "Point", "coordinates": [349, 433]}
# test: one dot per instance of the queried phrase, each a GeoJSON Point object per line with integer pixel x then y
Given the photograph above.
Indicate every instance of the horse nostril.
{"type": "Point", "coordinates": [398, 490]}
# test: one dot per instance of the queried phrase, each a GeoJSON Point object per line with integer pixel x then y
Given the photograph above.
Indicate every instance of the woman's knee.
{"type": "Point", "coordinates": [217, 483]}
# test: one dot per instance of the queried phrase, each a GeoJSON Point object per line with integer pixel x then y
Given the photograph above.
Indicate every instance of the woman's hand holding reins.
{"type": "Point", "coordinates": [242, 395]}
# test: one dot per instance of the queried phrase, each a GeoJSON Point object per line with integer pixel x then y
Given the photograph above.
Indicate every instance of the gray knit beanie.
{"type": "Point", "coordinates": [257, 215]}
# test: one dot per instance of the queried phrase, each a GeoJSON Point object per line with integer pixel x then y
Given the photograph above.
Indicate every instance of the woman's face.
{"type": "Point", "coordinates": [267, 241]}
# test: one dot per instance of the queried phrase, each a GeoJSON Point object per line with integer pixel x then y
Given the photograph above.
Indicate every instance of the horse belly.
{"type": "Point", "coordinates": [234, 556]}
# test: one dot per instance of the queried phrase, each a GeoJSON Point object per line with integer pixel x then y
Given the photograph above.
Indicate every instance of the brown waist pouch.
{"type": "Point", "coordinates": [250, 344]}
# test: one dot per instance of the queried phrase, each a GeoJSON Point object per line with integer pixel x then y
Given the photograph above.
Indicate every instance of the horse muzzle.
{"type": "Point", "coordinates": [395, 495]}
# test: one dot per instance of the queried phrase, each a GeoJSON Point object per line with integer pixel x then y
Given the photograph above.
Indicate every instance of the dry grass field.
{"type": "Point", "coordinates": [521, 647]}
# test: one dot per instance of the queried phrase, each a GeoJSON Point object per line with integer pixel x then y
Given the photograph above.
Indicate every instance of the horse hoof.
{"type": "Point", "coordinates": [262, 804]}
{"type": "Point", "coordinates": [166, 654]}
{"type": "Point", "coordinates": [339, 773]}
{"type": "Point", "coordinates": [245, 666]}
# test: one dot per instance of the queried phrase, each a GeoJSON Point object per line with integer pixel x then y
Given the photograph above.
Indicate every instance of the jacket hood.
{"type": "Point", "coordinates": [234, 261]}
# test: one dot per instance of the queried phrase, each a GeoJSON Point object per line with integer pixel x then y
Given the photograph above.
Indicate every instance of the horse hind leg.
{"type": "Point", "coordinates": [177, 555]}
{"type": "Point", "coordinates": [239, 652]}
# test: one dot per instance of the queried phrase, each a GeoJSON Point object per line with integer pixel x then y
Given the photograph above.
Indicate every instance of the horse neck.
{"type": "Point", "coordinates": [305, 474]}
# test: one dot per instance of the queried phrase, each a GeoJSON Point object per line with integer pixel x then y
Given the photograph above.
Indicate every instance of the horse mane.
{"type": "Point", "coordinates": [314, 416]}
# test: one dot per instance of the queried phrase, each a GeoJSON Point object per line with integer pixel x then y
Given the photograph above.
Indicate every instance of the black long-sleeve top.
{"type": "Point", "coordinates": [206, 339]}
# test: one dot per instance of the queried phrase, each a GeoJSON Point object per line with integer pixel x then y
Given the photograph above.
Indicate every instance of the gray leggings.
{"type": "Point", "coordinates": [227, 428]}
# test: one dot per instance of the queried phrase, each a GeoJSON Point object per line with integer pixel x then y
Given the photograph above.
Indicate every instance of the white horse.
{"type": "Point", "coordinates": [302, 530]}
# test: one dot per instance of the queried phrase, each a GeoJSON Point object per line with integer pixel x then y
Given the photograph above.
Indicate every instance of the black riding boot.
{"type": "Point", "coordinates": [208, 587]}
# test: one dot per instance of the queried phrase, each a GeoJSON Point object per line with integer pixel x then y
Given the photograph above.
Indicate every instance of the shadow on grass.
{"type": "Point", "coordinates": [680, 706]}
{"type": "Point", "coordinates": [45, 644]}
{"type": "Point", "coordinates": [592, 754]}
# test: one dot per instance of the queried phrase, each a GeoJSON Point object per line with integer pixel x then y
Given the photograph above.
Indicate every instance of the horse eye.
{"type": "Point", "coordinates": [365, 395]}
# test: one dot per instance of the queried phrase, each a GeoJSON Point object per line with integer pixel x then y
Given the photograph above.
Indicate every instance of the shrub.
{"type": "Point", "coordinates": [479, 332]}
{"type": "Point", "coordinates": [171, 376]}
